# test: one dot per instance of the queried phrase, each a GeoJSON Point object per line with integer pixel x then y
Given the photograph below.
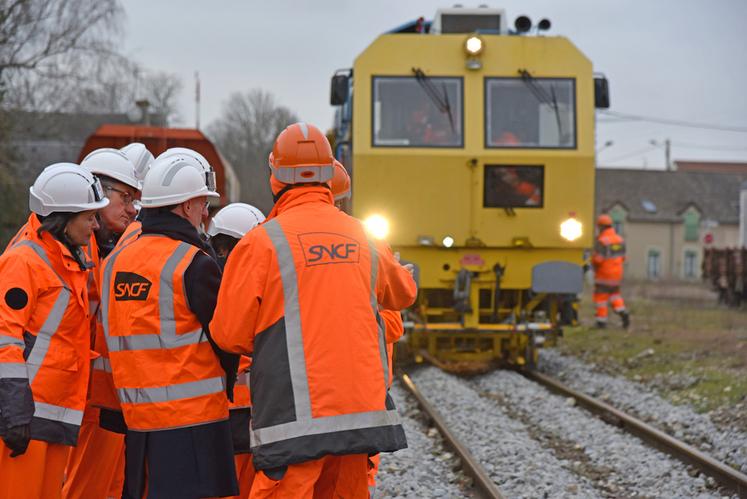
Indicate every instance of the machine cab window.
{"type": "Point", "coordinates": [530, 112]}
{"type": "Point", "coordinates": [419, 111]}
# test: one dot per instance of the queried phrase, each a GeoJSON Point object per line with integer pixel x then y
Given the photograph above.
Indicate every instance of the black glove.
{"type": "Point", "coordinates": [17, 439]}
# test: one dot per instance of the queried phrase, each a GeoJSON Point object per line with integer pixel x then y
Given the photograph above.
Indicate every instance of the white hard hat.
{"type": "Point", "coordinates": [140, 157]}
{"type": "Point", "coordinates": [199, 159]}
{"type": "Point", "coordinates": [65, 188]}
{"type": "Point", "coordinates": [172, 182]}
{"type": "Point", "coordinates": [112, 163]}
{"type": "Point", "coordinates": [235, 220]}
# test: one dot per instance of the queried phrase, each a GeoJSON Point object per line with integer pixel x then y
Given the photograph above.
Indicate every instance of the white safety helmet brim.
{"type": "Point", "coordinates": [66, 188]}
{"type": "Point", "coordinates": [235, 220]}
{"type": "Point", "coordinates": [173, 182]}
{"type": "Point", "coordinates": [114, 164]}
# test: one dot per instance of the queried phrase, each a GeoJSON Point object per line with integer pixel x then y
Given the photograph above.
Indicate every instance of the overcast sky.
{"type": "Point", "coordinates": [674, 59]}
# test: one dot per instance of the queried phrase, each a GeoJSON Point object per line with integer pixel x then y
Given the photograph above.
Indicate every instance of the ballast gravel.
{"type": "Point", "coordinates": [425, 468]}
{"type": "Point", "coordinates": [616, 463]}
{"type": "Point", "coordinates": [521, 466]}
{"type": "Point", "coordinates": [724, 444]}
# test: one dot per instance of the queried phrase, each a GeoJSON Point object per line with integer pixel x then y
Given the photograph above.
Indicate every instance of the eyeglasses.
{"type": "Point", "coordinates": [126, 196]}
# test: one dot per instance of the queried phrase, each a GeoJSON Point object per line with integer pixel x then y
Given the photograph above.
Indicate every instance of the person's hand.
{"type": "Point", "coordinates": [396, 255]}
{"type": "Point", "coordinates": [17, 439]}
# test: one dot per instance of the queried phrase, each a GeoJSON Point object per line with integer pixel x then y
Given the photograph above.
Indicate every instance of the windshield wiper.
{"type": "Point", "coordinates": [543, 97]}
{"type": "Point", "coordinates": [441, 102]}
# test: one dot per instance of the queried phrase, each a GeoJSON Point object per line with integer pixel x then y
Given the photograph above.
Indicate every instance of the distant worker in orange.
{"type": "Point", "coordinates": [302, 293]}
{"type": "Point", "coordinates": [226, 228]}
{"type": "Point", "coordinates": [45, 331]}
{"type": "Point", "coordinates": [524, 191]}
{"type": "Point", "coordinates": [607, 260]}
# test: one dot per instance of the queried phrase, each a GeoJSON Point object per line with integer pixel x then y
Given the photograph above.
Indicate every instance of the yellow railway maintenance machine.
{"type": "Point", "coordinates": [471, 149]}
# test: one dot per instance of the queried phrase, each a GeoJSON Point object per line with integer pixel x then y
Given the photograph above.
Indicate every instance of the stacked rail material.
{"type": "Point", "coordinates": [726, 270]}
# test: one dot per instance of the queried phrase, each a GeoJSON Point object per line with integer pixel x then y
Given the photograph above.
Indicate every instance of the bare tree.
{"type": "Point", "coordinates": [162, 91]}
{"type": "Point", "coordinates": [244, 134]}
{"type": "Point", "coordinates": [44, 44]}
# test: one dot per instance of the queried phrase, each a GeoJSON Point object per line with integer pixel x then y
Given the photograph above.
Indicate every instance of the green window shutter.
{"type": "Point", "coordinates": [691, 225]}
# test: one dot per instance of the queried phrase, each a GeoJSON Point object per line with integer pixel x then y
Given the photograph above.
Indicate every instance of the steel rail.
{"type": "Point", "coordinates": [725, 475]}
{"type": "Point", "coordinates": [471, 466]}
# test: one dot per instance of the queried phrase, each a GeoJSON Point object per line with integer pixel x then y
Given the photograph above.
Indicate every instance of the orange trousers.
{"type": "Point", "coordinates": [37, 474]}
{"type": "Point", "coordinates": [95, 468]}
{"type": "Point", "coordinates": [244, 475]}
{"type": "Point", "coordinates": [601, 298]}
{"type": "Point", "coordinates": [349, 481]}
{"type": "Point", "coordinates": [373, 469]}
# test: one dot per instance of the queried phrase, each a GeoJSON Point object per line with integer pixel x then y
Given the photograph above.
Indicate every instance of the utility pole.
{"type": "Point", "coordinates": [197, 100]}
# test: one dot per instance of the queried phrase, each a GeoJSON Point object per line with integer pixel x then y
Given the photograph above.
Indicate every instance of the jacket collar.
{"type": "Point", "coordinates": [55, 249]}
{"type": "Point", "coordinates": [299, 196]}
{"type": "Point", "coordinates": [172, 225]}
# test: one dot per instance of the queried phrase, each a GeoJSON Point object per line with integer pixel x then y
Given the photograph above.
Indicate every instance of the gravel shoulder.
{"type": "Point", "coordinates": [726, 444]}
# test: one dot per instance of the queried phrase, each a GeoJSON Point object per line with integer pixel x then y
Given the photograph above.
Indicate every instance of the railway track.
{"type": "Point", "coordinates": [725, 475]}
{"type": "Point", "coordinates": [482, 482]}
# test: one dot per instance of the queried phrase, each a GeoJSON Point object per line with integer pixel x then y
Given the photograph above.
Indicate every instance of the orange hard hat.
{"type": "Point", "coordinates": [604, 220]}
{"type": "Point", "coordinates": [340, 184]}
{"type": "Point", "coordinates": [302, 154]}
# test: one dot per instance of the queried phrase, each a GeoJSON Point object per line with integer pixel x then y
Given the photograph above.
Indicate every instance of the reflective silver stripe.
{"type": "Point", "coordinates": [294, 338]}
{"type": "Point", "coordinates": [58, 413]}
{"type": "Point", "coordinates": [371, 491]}
{"type": "Point", "coordinates": [53, 320]}
{"type": "Point", "coordinates": [154, 341]}
{"type": "Point", "coordinates": [13, 370]}
{"type": "Point", "coordinates": [167, 338]}
{"type": "Point", "coordinates": [304, 424]}
{"type": "Point", "coordinates": [242, 379]}
{"type": "Point", "coordinates": [6, 340]}
{"type": "Point", "coordinates": [171, 393]}
{"type": "Point", "coordinates": [375, 307]}
{"type": "Point", "coordinates": [128, 236]}
{"type": "Point", "coordinates": [106, 279]}
{"type": "Point", "coordinates": [102, 364]}
{"type": "Point", "coordinates": [329, 424]}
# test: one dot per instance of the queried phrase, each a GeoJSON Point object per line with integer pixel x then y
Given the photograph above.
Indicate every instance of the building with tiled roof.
{"type": "Point", "coordinates": [667, 217]}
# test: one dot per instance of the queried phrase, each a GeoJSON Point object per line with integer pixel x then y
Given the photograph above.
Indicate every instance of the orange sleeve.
{"type": "Point", "coordinates": [393, 325]}
{"type": "Point", "coordinates": [18, 295]}
{"type": "Point", "coordinates": [395, 287]}
{"type": "Point", "coordinates": [234, 323]}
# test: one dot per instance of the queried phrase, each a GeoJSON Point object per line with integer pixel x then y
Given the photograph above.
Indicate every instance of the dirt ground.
{"type": "Point", "coordinates": [681, 341]}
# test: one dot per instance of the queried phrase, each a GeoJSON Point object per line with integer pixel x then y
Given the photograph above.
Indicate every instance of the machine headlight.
{"type": "Point", "coordinates": [448, 242]}
{"type": "Point", "coordinates": [571, 229]}
{"type": "Point", "coordinates": [473, 45]}
{"type": "Point", "coordinates": [377, 226]}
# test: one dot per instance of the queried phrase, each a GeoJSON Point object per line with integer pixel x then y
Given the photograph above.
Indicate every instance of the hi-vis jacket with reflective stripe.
{"type": "Point", "coordinates": [608, 258]}
{"type": "Point", "coordinates": [103, 394]}
{"type": "Point", "coordinates": [45, 337]}
{"type": "Point", "coordinates": [302, 291]}
{"type": "Point", "coordinates": [164, 369]}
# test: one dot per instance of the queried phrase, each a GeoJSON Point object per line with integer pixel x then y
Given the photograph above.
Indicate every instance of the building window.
{"type": "Point", "coordinates": [690, 264]}
{"type": "Point", "coordinates": [653, 264]}
{"type": "Point", "coordinates": [692, 225]}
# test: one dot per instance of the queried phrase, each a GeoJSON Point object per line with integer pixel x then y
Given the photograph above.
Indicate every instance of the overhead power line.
{"type": "Point", "coordinates": [687, 145]}
{"type": "Point", "coordinates": [640, 152]}
{"type": "Point", "coordinates": [622, 117]}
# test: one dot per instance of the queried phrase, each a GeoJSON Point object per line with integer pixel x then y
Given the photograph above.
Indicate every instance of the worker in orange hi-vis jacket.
{"type": "Point", "coordinates": [608, 259]}
{"type": "Point", "coordinates": [96, 465]}
{"type": "Point", "coordinates": [226, 228]}
{"type": "Point", "coordinates": [45, 333]}
{"type": "Point", "coordinates": [302, 292]}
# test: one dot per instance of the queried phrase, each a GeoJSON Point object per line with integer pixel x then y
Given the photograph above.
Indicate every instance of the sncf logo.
{"type": "Point", "coordinates": [322, 248]}
{"type": "Point", "coordinates": [129, 286]}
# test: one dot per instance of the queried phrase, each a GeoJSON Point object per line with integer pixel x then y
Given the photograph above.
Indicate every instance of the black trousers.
{"type": "Point", "coordinates": [186, 463]}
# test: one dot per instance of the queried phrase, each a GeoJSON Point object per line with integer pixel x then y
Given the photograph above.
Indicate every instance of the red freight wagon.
{"type": "Point", "coordinates": [158, 139]}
